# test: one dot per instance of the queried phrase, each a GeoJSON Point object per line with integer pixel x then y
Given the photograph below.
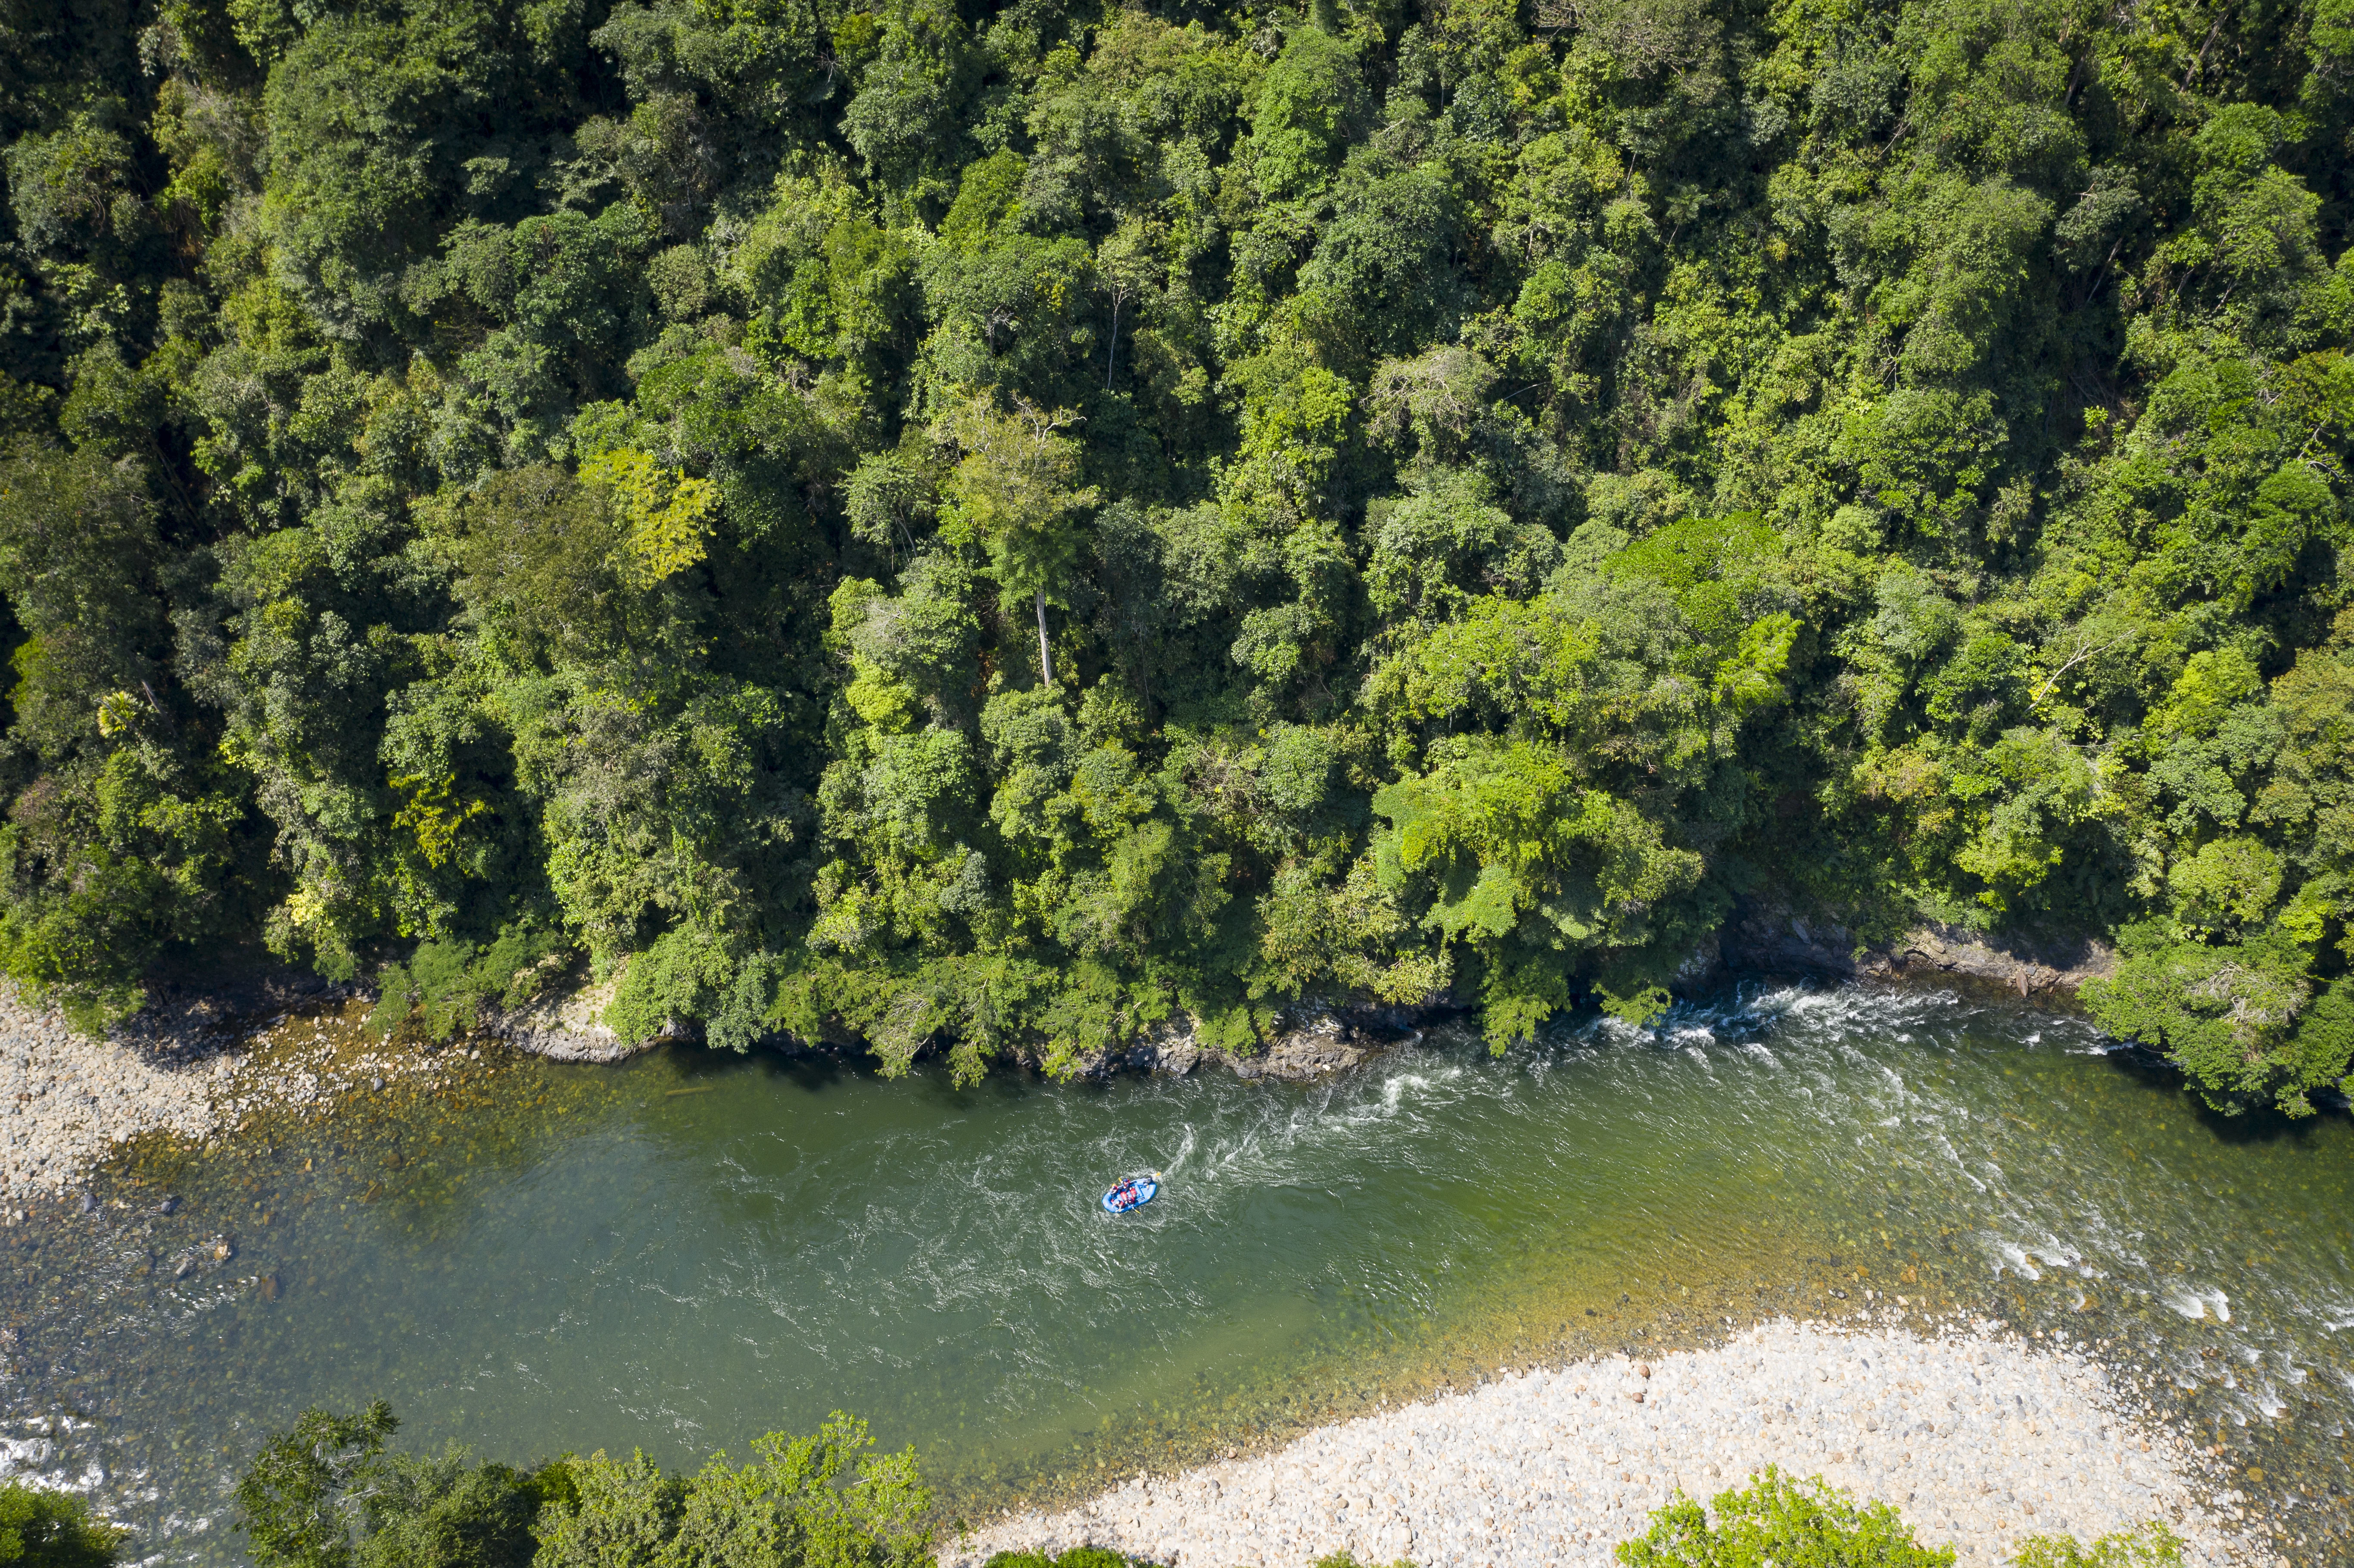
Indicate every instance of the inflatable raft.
{"type": "Point", "coordinates": [1132, 1194]}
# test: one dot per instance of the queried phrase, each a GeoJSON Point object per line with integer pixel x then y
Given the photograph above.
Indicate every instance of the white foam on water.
{"type": "Point", "coordinates": [2197, 1304]}
{"type": "Point", "coordinates": [1395, 1088]}
{"type": "Point", "coordinates": [2053, 1254]}
{"type": "Point", "coordinates": [22, 1453]}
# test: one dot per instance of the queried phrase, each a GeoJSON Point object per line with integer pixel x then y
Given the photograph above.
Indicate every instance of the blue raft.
{"type": "Point", "coordinates": [1132, 1194]}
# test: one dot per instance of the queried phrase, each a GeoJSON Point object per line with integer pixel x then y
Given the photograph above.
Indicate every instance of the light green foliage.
{"type": "Point", "coordinates": [1787, 1523]}
{"type": "Point", "coordinates": [616, 1513]}
{"type": "Point", "coordinates": [663, 515]}
{"type": "Point", "coordinates": [2149, 1545]}
{"type": "Point", "coordinates": [818, 1501]}
{"type": "Point", "coordinates": [2242, 1017]}
{"type": "Point", "coordinates": [1011, 495]}
{"type": "Point", "coordinates": [446, 985]}
{"type": "Point", "coordinates": [982, 529]}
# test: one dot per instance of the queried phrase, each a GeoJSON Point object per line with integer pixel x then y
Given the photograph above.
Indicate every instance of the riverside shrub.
{"type": "Point", "coordinates": [1077, 1557]}
{"type": "Point", "coordinates": [2149, 1545]}
{"type": "Point", "coordinates": [53, 1529]}
{"type": "Point", "coordinates": [1792, 1524]}
{"type": "Point", "coordinates": [325, 1494]}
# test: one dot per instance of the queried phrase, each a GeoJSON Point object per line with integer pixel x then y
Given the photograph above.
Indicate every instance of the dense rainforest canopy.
{"type": "Point", "coordinates": [994, 524]}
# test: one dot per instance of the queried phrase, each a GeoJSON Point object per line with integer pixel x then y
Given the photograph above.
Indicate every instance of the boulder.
{"type": "Point", "coordinates": [567, 1024]}
{"type": "Point", "coordinates": [1322, 1042]}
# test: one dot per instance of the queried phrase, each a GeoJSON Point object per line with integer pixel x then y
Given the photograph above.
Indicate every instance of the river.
{"type": "Point", "coordinates": [683, 1253]}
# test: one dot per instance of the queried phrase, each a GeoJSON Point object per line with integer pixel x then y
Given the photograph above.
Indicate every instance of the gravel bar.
{"type": "Point", "coordinates": [1977, 1438]}
{"type": "Point", "coordinates": [66, 1099]}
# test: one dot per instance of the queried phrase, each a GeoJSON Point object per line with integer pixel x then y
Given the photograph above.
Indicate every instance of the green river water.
{"type": "Point", "coordinates": [683, 1253]}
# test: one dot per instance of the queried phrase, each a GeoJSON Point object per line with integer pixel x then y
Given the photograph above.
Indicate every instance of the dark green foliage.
{"type": "Point", "coordinates": [1077, 1557]}
{"type": "Point", "coordinates": [445, 1513]}
{"type": "Point", "coordinates": [987, 528]}
{"type": "Point", "coordinates": [126, 832]}
{"type": "Point", "coordinates": [53, 1529]}
{"type": "Point", "coordinates": [1792, 1524]}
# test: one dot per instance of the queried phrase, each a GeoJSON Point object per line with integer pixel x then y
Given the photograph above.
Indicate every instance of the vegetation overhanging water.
{"type": "Point", "coordinates": [1007, 522]}
{"type": "Point", "coordinates": [683, 1253]}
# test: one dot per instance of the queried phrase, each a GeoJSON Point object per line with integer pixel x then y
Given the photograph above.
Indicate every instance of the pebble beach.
{"type": "Point", "coordinates": [1977, 1438]}
{"type": "Point", "coordinates": [67, 1099]}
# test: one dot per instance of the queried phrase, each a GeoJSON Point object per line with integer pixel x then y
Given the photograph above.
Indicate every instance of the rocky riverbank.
{"type": "Point", "coordinates": [198, 1065]}
{"type": "Point", "coordinates": [1765, 938]}
{"type": "Point", "coordinates": [66, 1099]}
{"type": "Point", "coordinates": [200, 1061]}
{"type": "Point", "coordinates": [1977, 1438]}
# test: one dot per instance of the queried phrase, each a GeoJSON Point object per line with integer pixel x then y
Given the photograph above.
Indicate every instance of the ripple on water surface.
{"type": "Point", "coordinates": [683, 1253]}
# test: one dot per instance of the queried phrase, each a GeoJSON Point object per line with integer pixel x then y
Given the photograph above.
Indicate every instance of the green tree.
{"type": "Point", "coordinates": [1805, 1525]}
{"type": "Point", "coordinates": [1013, 497]}
{"type": "Point", "coordinates": [54, 1530]}
{"type": "Point", "coordinates": [295, 1503]}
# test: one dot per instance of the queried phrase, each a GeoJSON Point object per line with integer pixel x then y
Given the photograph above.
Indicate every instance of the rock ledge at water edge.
{"type": "Point", "coordinates": [1977, 1439]}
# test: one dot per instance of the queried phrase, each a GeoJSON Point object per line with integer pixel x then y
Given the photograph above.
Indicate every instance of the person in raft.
{"type": "Point", "coordinates": [1124, 1196]}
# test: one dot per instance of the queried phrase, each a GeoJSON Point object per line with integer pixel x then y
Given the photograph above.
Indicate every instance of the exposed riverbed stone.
{"type": "Point", "coordinates": [568, 1025]}
{"type": "Point", "coordinates": [1976, 1438]}
{"type": "Point", "coordinates": [196, 1070]}
{"type": "Point", "coordinates": [1770, 937]}
{"type": "Point", "coordinates": [1317, 1041]}
{"type": "Point", "coordinates": [1323, 1043]}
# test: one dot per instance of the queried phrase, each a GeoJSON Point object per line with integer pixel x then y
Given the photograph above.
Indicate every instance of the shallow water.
{"type": "Point", "coordinates": [683, 1253]}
